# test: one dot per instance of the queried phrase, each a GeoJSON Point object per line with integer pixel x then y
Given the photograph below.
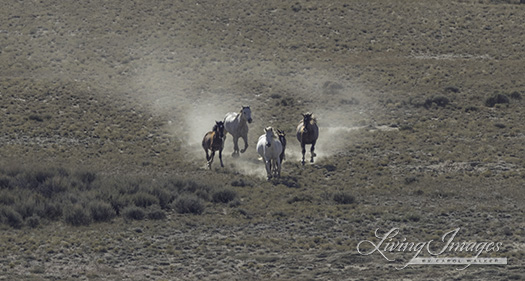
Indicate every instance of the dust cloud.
{"type": "Point", "coordinates": [192, 102]}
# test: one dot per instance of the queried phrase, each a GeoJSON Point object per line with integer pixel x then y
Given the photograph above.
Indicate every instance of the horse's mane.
{"type": "Point", "coordinates": [313, 118]}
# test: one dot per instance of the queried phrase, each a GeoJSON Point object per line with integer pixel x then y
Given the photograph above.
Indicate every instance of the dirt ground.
{"type": "Point", "coordinates": [419, 105]}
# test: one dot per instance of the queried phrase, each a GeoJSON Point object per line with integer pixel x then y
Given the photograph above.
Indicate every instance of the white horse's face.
{"type": "Point", "coordinates": [269, 136]}
{"type": "Point", "coordinates": [247, 113]}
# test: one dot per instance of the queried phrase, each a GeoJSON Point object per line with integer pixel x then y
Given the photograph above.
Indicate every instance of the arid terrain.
{"type": "Point", "coordinates": [104, 103]}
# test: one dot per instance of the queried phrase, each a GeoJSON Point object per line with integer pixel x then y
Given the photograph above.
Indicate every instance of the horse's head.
{"type": "Point", "coordinates": [219, 128]}
{"type": "Point", "coordinates": [307, 118]}
{"type": "Point", "coordinates": [247, 113]}
{"type": "Point", "coordinates": [269, 136]}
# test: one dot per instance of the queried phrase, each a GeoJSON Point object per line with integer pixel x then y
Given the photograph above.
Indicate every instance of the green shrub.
{"type": "Point", "coordinates": [5, 182]}
{"type": "Point", "coordinates": [11, 217]}
{"type": "Point", "coordinates": [41, 176]}
{"type": "Point", "coordinates": [134, 213]}
{"type": "Point", "coordinates": [497, 99]}
{"type": "Point", "coordinates": [35, 117]}
{"type": "Point", "coordinates": [164, 197]}
{"type": "Point", "coordinates": [101, 211]}
{"type": "Point", "coordinates": [344, 198]}
{"type": "Point", "coordinates": [86, 177]}
{"type": "Point", "coordinates": [300, 198]}
{"type": "Point", "coordinates": [78, 216]}
{"type": "Point", "coordinates": [6, 198]}
{"type": "Point", "coordinates": [156, 215]}
{"type": "Point", "coordinates": [440, 101]}
{"type": "Point", "coordinates": [289, 181]}
{"type": "Point", "coordinates": [235, 203]}
{"type": "Point", "coordinates": [49, 210]}
{"type": "Point", "coordinates": [144, 200]}
{"type": "Point", "coordinates": [26, 208]}
{"type": "Point", "coordinates": [53, 185]}
{"type": "Point", "coordinates": [241, 183]}
{"type": "Point", "coordinates": [223, 196]}
{"type": "Point", "coordinates": [118, 202]}
{"type": "Point", "coordinates": [515, 95]}
{"type": "Point", "coordinates": [33, 221]}
{"type": "Point", "coordinates": [189, 205]}
{"type": "Point", "coordinates": [196, 188]}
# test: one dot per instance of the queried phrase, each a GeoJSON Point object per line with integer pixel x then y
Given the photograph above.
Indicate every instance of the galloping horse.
{"type": "Point", "coordinates": [307, 133]}
{"type": "Point", "coordinates": [235, 124]}
{"type": "Point", "coordinates": [270, 150]}
{"type": "Point", "coordinates": [282, 139]}
{"type": "Point", "coordinates": [213, 141]}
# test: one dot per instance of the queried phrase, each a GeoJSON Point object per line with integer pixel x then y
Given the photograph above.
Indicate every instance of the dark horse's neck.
{"type": "Point", "coordinates": [309, 125]}
{"type": "Point", "coordinates": [216, 137]}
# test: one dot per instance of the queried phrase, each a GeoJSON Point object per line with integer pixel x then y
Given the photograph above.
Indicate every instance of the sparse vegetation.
{"type": "Point", "coordinates": [96, 198]}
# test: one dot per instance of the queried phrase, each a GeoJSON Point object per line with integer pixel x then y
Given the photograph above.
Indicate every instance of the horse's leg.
{"type": "Point", "coordinates": [278, 164]}
{"type": "Point", "coordinates": [245, 138]}
{"type": "Point", "coordinates": [220, 156]}
{"type": "Point", "coordinates": [211, 158]}
{"type": "Point", "coordinates": [207, 156]}
{"type": "Point", "coordinates": [303, 150]}
{"type": "Point", "coordinates": [268, 168]}
{"type": "Point", "coordinates": [312, 152]}
{"type": "Point", "coordinates": [235, 146]}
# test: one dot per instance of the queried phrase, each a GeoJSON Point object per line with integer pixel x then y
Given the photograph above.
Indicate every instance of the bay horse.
{"type": "Point", "coordinates": [213, 141]}
{"type": "Point", "coordinates": [282, 138]}
{"type": "Point", "coordinates": [270, 150]}
{"type": "Point", "coordinates": [235, 123]}
{"type": "Point", "coordinates": [307, 133]}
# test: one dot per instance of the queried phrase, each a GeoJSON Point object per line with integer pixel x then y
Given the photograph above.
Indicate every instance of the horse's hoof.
{"type": "Point", "coordinates": [311, 160]}
{"type": "Point", "coordinates": [243, 150]}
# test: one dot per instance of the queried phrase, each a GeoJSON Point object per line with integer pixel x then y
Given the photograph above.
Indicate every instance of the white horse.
{"type": "Point", "coordinates": [235, 124]}
{"type": "Point", "coordinates": [270, 150]}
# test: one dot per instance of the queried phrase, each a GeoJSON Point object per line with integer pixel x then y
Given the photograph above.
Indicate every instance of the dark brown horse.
{"type": "Point", "coordinates": [214, 140]}
{"type": "Point", "coordinates": [307, 133]}
{"type": "Point", "coordinates": [282, 139]}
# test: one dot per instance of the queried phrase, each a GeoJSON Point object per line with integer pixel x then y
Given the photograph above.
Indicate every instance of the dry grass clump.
{"type": "Point", "coordinates": [223, 196]}
{"type": "Point", "coordinates": [101, 211]}
{"type": "Point", "coordinates": [134, 213]}
{"type": "Point", "coordinates": [189, 205]}
{"type": "Point", "coordinates": [497, 99]}
{"type": "Point", "coordinates": [78, 216]}
{"type": "Point", "coordinates": [343, 198]}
